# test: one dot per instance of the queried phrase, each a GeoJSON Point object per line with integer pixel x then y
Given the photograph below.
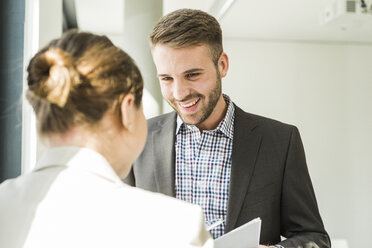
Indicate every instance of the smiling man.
{"type": "Point", "coordinates": [237, 166]}
{"type": "Point", "coordinates": [191, 83]}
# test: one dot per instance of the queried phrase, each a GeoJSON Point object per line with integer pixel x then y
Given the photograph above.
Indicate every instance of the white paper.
{"type": "Point", "coordinates": [245, 236]}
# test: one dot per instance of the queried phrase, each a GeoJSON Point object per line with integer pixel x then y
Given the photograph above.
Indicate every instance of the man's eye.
{"type": "Point", "coordinates": [166, 78]}
{"type": "Point", "coordinates": [192, 75]}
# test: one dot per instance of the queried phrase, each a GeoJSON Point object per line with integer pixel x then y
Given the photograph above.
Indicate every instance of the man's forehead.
{"type": "Point", "coordinates": [169, 47]}
{"type": "Point", "coordinates": [182, 59]}
{"type": "Point", "coordinates": [173, 62]}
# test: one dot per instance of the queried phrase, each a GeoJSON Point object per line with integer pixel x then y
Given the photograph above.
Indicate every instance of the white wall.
{"type": "Point", "coordinates": [360, 142]}
{"type": "Point", "coordinates": [325, 89]}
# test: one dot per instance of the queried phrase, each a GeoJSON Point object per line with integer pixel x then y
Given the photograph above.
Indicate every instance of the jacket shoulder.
{"type": "Point", "coordinates": [261, 122]}
{"type": "Point", "coordinates": [161, 120]}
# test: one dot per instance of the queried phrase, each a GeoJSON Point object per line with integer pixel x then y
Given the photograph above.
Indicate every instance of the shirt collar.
{"type": "Point", "coordinates": [78, 158]}
{"type": "Point", "coordinates": [226, 126]}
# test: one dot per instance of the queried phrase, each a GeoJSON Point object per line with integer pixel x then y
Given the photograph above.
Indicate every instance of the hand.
{"type": "Point", "coordinates": [263, 246]}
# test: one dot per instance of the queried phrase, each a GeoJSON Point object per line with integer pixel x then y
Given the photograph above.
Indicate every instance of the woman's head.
{"type": "Point", "coordinates": [87, 92]}
{"type": "Point", "coordinates": [75, 79]}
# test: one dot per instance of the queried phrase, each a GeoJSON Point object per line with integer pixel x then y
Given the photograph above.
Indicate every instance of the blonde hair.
{"type": "Point", "coordinates": [75, 79]}
{"type": "Point", "coordinates": [189, 27]}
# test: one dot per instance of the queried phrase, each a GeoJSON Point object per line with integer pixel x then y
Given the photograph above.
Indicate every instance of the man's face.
{"type": "Point", "coordinates": [191, 83]}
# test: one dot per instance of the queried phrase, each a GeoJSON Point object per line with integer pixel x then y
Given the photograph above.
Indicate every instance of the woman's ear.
{"type": "Point", "coordinates": [128, 112]}
{"type": "Point", "coordinates": [223, 64]}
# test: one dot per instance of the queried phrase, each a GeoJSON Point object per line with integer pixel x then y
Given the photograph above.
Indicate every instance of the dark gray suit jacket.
{"type": "Point", "coordinates": [269, 178]}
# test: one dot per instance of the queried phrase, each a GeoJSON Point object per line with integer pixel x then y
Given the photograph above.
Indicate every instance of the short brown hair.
{"type": "Point", "coordinates": [75, 79]}
{"type": "Point", "coordinates": [189, 27]}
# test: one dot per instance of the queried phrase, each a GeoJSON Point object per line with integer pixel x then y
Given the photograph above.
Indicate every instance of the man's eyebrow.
{"type": "Point", "coordinates": [193, 70]}
{"type": "Point", "coordinates": [163, 75]}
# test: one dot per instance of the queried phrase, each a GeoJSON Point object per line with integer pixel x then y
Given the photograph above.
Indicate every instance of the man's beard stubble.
{"type": "Point", "coordinates": [213, 96]}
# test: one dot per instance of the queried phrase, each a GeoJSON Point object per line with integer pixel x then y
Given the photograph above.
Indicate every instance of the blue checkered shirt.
{"type": "Point", "coordinates": [203, 164]}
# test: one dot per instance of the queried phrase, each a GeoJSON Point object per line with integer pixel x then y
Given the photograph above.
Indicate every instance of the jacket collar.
{"type": "Point", "coordinates": [246, 145]}
{"type": "Point", "coordinates": [163, 138]}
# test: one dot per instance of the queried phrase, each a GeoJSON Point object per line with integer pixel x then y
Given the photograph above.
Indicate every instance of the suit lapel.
{"type": "Point", "coordinates": [163, 148]}
{"type": "Point", "coordinates": [245, 148]}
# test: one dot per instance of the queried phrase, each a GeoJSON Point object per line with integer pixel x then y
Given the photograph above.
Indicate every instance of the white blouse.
{"type": "Point", "coordinates": [75, 199]}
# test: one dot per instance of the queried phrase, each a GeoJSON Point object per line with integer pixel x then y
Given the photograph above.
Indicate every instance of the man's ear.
{"type": "Point", "coordinates": [223, 64]}
{"type": "Point", "coordinates": [128, 113]}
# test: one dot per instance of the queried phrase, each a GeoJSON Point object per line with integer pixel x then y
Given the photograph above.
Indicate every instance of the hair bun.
{"type": "Point", "coordinates": [59, 76]}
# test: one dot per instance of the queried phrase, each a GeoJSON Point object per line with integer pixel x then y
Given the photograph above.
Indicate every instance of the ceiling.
{"type": "Point", "coordinates": [250, 19]}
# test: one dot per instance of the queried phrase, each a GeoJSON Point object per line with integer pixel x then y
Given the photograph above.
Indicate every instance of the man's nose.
{"type": "Point", "coordinates": [180, 90]}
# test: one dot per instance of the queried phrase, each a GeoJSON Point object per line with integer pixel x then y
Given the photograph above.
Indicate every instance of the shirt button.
{"type": "Point", "coordinates": [201, 184]}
